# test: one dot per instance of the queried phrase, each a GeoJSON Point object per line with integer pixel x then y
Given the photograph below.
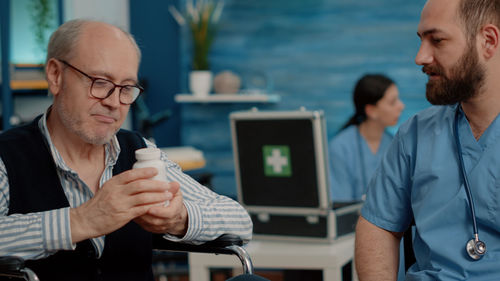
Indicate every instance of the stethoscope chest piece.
{"type": "Point", "coordinates": [476, 249]}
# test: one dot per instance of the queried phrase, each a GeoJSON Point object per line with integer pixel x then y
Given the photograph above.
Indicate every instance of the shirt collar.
{"type": "Point", "coordinates": [112, 148]}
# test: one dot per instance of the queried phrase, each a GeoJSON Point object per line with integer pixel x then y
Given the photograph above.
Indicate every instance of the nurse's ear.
{"type": "Point", "coordinates": [371, 111]}
{"type": "Point", "coordinates": [488, 38]}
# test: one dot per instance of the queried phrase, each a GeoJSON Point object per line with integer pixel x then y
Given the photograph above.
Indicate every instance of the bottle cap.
{"type": "Point", "coordinates": [149, 153]}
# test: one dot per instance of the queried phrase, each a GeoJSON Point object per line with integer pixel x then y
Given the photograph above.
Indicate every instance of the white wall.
{"type": "Point", "coordinates": [111, 11]}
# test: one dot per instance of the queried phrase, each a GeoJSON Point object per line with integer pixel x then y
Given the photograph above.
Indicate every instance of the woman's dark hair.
{"type": "Point", "coordinates": [369, 90]}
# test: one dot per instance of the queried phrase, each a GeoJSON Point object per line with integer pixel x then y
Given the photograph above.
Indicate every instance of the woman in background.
{"type": "Point", "coordinates": [357, 149]}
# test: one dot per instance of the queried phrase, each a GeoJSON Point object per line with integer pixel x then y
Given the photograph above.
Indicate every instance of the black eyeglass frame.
{"type": "Point", "coordinates": [110, 92]}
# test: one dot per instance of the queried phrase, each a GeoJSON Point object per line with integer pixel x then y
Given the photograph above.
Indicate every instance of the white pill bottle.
{"type": "Point", "coordinates": [151, 157]}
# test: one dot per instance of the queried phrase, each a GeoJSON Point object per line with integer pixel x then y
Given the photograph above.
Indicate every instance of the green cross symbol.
{"type": "Point", "coordinates": [277, 162]}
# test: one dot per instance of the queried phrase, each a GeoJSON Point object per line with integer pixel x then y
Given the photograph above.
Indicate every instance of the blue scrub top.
{"type": "Point", "coordinates": [350, 167]}
{"type": "Point", "coordinates": [421, 174]}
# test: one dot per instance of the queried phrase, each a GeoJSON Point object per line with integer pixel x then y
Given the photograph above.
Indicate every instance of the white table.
{"type": "Point", "coordinates": [282, 255]}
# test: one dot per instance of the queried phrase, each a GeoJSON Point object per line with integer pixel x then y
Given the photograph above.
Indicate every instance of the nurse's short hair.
{"type": "Point", "coordinates": [474, 14]}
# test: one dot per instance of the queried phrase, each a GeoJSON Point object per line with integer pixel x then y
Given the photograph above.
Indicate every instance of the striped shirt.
{"type": "Point", "coordinates": [38, 235]}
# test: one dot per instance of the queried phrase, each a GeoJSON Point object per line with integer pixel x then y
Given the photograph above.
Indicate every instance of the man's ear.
{"type": "Point", "coordinates": [489, 40]}
{"type": "Point", "coordinates": [53, 73]}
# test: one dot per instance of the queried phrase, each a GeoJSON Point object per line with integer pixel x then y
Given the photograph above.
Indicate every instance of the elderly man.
{"type": "Point", "coordinates": [444, 158]}
{"type": "Point", "coordinates": [69, 201]}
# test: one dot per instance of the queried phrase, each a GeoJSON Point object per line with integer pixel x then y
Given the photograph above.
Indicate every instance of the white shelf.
{"type": "Point", "coordinates": [227, 98]}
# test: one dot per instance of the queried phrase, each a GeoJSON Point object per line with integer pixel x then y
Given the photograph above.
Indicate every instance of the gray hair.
{"type": "Point", "coordinates": [63, 41]}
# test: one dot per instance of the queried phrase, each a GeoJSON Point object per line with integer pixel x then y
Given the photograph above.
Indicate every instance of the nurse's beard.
{"type": "Point", "coordinates": [465, 81]}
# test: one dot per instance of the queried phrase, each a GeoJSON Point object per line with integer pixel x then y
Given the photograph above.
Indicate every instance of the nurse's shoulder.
{"type": "Point", "coordinates": [430, 120]}
{"type": "Point", "coordinates": [344, 139]}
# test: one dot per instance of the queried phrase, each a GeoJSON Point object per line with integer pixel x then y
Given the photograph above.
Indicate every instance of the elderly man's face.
{"type": "Point", "coordinates": [104, 52]}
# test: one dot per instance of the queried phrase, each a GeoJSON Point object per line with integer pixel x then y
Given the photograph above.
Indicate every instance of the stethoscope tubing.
{"type": "Point", "coordinates": [464, 174]}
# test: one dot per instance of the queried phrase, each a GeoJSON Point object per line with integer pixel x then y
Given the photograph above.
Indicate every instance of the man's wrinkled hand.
{"type": "Point", "coordinates": [171, 219]}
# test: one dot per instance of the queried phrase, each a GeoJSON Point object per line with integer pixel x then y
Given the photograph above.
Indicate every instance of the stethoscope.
{"type": "Point", "coordinates": [475, 247]}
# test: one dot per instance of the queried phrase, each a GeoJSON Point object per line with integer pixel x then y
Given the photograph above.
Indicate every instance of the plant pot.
{"type": "Point", "coordinates": [200, 82]}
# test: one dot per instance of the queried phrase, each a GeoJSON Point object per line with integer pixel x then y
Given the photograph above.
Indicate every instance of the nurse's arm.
{"type": "Point", "coordinates": [376, 252]}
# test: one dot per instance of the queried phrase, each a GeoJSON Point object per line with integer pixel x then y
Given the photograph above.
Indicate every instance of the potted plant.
{"type": "Point", "coordinates": [202, 17]}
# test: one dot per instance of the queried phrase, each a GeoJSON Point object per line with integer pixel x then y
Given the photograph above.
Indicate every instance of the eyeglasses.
{"type": "Point", "coordinates": [103, 88]}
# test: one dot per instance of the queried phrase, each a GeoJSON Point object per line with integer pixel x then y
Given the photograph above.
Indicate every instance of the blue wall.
{"type": "Point", "coordinates": [313, 51]}
{"type": "Point", "coordinates": [157, 35]}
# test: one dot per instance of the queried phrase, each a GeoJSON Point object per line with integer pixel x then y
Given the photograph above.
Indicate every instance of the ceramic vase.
{"type": "Point", "coordinates": [200, 82]}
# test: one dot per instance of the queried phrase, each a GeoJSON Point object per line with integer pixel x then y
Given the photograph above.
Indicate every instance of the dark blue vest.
{"type": "Point", "coordinates": [34, 186]}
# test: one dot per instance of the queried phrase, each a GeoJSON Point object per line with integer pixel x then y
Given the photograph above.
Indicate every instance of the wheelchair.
{"type": "Point", "coordinates": [226, 244]}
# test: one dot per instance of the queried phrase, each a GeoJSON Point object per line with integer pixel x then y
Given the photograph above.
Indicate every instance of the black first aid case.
{"type": "Point", "coordinates": [281, 168]}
